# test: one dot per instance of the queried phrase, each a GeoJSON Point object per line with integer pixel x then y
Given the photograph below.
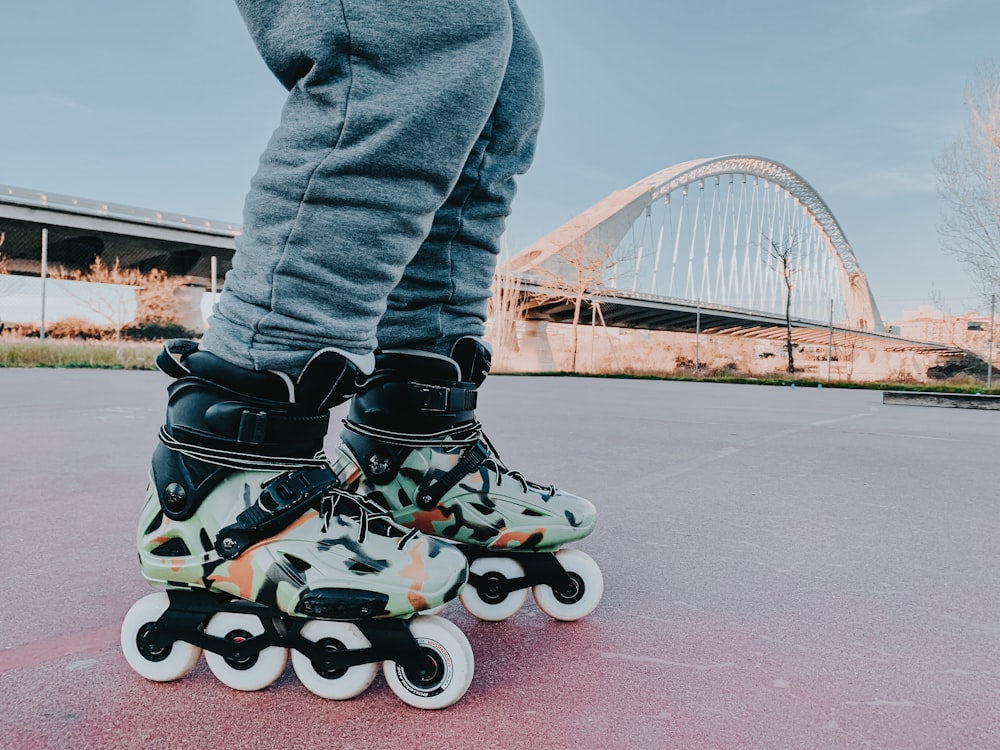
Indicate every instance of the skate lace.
{"type": "Point", "coordinates": [456, 436]}
{"type": "Point", "coordinates": [371, 518]}
{"type": "Point", "coordinates": [501, 470]}
{"type": "Point", "coordinates": [241, 461]}
{"type": "Point", "coordinates": [464, 436]}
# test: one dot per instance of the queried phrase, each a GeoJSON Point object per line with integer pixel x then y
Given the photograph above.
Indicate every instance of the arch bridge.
{"type": "Point", "coordinates": [709, 242]}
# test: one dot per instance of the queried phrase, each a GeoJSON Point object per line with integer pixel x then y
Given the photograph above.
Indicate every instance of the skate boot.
{"type": "Point", "coordinates": [412, 444]}
{"type": "Point", "coordinates": [261, 551]}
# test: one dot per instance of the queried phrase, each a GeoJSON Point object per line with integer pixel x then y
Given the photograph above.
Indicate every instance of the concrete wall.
{"type": "Point", "coordinates": [101, 304]}
{"type": "Point", "coordinates": [548, 347]}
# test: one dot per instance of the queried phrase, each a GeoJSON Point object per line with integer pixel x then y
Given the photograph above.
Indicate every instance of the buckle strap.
{"type": "Point", "coordinates": [472, 459]}
{"type": "Point", "coordinates": [253, 427]}
{"type": "Point", "coordinates": [425, 397]}
{"type": "Point", "coordinates": [258, 425]}
{"type": "Point", "coordinates": [281, 501]}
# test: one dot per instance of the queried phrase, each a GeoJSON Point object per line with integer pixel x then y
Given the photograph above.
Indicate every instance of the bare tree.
{"type": "Point", "coordinates": [581, 271]}
{"type": "Point", "coordinates": [155, 294]}
{"type": "Point", "coordinates": [506, 309]}
{"type": "Point", "coordinates": [937, 300]}
{"type": "Point", "coordinates": [782, 253]}
{"type": "Point", "coordinates": [846, 350]}
{"type": "Point", "coordinates": [969, 184]}
{"type": "Point", "coordinates": [3, 267]}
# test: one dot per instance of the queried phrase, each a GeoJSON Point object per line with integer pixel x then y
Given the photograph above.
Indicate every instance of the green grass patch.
{"type": "Point", "coordinates": [935, 387]}
{"type": "Point", "coordinates": [125, 355]}
{"type": "Point", "coordinates": [139, 355]}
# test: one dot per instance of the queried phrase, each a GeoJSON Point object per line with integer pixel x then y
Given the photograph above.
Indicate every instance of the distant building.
{"type": "Point", "coordinates": [969, 331]}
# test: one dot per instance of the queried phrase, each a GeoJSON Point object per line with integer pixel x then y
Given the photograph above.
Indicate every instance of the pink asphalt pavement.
{"type": "Point", "coordinates": [783, 568]}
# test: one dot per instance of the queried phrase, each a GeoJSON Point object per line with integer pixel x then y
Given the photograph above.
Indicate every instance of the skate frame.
{"type": "Point", "coordinates": [190, 610]}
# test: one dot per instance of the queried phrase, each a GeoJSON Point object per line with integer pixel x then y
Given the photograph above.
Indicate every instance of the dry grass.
{"type": "Point", "coordinates": [125, 355]}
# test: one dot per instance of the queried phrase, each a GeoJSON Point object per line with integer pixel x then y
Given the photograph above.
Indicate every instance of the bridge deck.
{"type": "Point", "coordinates": [644, 312]}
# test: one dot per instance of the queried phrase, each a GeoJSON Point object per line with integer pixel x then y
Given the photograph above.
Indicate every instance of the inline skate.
{"type": "Point", "coordinates": [412, 444]}
{"type": "Point", "coordinates": [262, 551]}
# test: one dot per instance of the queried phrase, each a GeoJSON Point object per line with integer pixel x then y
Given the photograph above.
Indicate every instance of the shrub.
{"type": "Point", "coordinates": [969, 366]}
{"type": "Point", "coordinates": [68, 328]}
{"type": "Point", "coordinates": [156, 292]}
{"type": "Point", "coordinates": [158, 331]}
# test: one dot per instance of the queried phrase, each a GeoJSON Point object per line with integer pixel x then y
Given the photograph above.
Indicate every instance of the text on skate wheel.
{"type": "Point", "coordinates": [577, 597]}
{"type": "Point", "coordinates": [446, 669]}
{"type": "Point", "coordinates": [145, 652]}
{"type": "Point", "coordinates": [321, 678]}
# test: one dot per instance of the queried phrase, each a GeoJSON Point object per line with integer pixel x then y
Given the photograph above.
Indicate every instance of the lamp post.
{"type": "Point", "coordinates": [829, 346]}
{"type": "Point", "coordinates": [45, 273]}
{"type": "Point", "coordinates": [697, 337]}
{"type": "Point", "coordinates": [989, 359]}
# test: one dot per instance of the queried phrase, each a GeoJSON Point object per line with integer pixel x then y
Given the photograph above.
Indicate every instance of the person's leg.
{"type": "Point", "coordinates": [411, 440]}
{"type": "Point", "coordinates": [386, 102]}
{"type": "Point", "coordinates": [245, 523]}
{"type": "Point", "coordinates": [444, 292]}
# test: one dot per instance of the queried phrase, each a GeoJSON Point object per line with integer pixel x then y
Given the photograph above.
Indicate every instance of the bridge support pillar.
{"type": "Point", "coordinates": [189, 313]}
{"type": "Point", "coordinates": [535, 354]}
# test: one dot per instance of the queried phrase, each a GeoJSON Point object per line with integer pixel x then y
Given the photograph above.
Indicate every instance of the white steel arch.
{"type": "Point", "coordinates": [713, 246]}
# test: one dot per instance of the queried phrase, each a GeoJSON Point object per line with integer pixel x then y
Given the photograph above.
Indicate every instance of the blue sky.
{"type": "Point", "coordinates": [166, 105]}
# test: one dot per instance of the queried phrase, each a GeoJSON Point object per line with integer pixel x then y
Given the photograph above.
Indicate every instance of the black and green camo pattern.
{"type": "Point", "coordinates": [490, 508]}
{"type": "Point", "coordinates": [317, 551]}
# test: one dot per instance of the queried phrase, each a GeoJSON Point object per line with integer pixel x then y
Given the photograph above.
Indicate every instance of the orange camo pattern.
{"type": "Point", "coordinates": [243, 573]}
{"type": "Point", "coordinates": [416, 572]}
{"type": "Point", "coordinates": [240, 578]}
{"type": "Point", "coordinates": [428, 521]}
{"type": "Point", "coordinates": [516, 539]}
{"type": "Point", "coordinates": [351, 475]}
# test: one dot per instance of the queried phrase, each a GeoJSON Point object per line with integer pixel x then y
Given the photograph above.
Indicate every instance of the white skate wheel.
{"type": "Point", "coordinates": [487, 601]}
{"type": "Point", "coordinates": [449, 666]}
{"type": "Point", "coordinates": [253, 673]}
{"type": "Point", "coordinates": [579, 599]}
{"type": "Point", "coordinates": [158, 664]}
{"type": "Point", "coordinates": [338, 684]}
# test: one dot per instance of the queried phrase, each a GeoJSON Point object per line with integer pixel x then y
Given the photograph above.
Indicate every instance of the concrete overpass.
{"type": "Point", "coordinates": [81, 230]}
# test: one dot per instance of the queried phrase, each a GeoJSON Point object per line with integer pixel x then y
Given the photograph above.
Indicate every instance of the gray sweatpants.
{"type": "Point", "coordinates": [375, 216]}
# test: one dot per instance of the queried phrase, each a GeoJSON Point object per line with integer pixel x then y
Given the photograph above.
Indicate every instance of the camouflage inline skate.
{"type": "Point", "coordinates": [412, 444]}
{"type": "Point", "coordinates": [261, 550]}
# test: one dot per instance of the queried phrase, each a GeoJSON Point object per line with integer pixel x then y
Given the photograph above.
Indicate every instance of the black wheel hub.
{"type": "Point", "coordinates": [323, 668]}
{"type": "Point", "coordinates": [148, 646]}
{"type": "Point", "coordinates": [429, 674]}
{"type": "Point", "coordinates": [240, 661]}
{"type": "Point", "coordinates": [492, 588]}
{"type": "Point", "coordinates": [572, 591]}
